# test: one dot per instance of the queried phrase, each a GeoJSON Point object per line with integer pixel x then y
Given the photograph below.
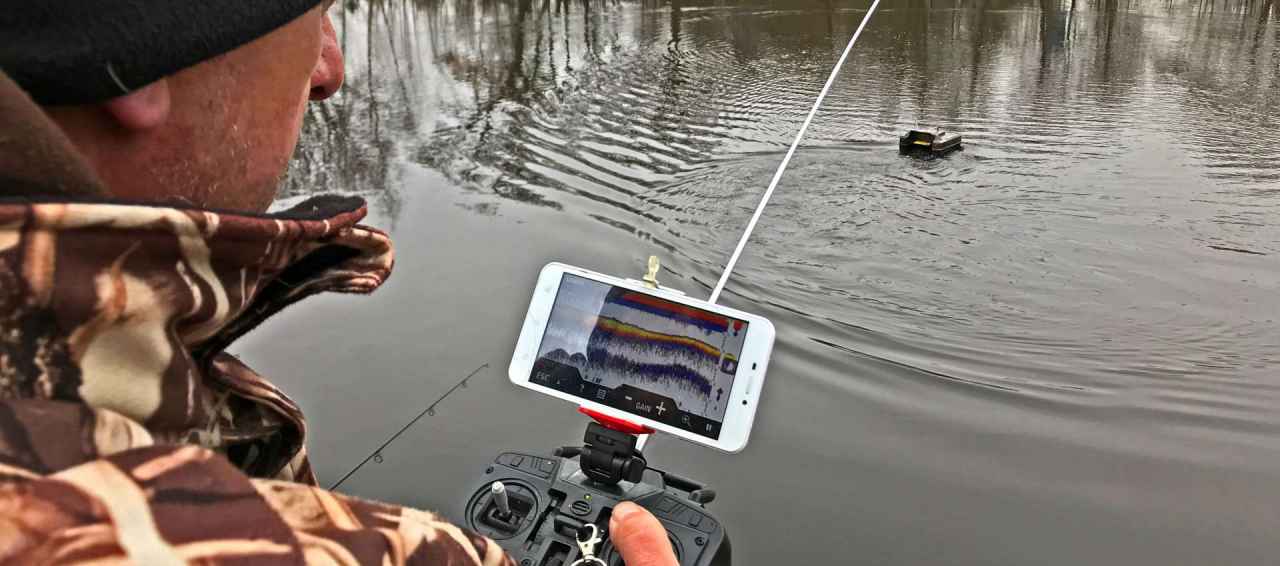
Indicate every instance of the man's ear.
{"type": "Point", "coordinates": [142, 109]}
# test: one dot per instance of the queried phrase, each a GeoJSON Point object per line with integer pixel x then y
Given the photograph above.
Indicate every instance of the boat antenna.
{"type": "Point", "coordinates": [777, 176]}
{"type": "Point", "coordinates": [376, 455]}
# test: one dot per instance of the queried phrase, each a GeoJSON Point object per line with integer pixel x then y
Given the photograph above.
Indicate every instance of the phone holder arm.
{"type": "Point", "coordinates": [611, 449]}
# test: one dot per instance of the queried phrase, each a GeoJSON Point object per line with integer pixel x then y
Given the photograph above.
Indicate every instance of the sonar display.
{"type": "Point", "coordinates": [642, 354]}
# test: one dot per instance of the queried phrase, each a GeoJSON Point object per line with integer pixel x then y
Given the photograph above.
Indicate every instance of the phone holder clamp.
{"type": "Point", "coordinates": [650, 279]}
{"type": "Point", "coordinates": [651, 276]}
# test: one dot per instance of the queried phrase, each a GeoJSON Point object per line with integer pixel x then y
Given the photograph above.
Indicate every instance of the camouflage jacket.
{"type": "Point", "coordinates": [127, 435]}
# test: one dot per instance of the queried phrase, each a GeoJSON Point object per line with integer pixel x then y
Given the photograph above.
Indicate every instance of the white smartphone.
{"type": "Point", "coordinates": [653, 357]}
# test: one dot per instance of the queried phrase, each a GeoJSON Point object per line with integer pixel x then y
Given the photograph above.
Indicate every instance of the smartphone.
{"type": "Point", "coordinates": [653, 357]}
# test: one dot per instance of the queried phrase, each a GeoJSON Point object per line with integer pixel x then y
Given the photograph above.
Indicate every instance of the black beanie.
{"type": "Point", "coordinates": [82, 51]}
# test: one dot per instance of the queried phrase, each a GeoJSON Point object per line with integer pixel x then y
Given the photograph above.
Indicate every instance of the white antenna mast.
{"type": "Point", "coordinates": [764, 201]}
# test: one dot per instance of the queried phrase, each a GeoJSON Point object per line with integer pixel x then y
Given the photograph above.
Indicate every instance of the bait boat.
{"type": "Point", "coordinates": [938, 142]}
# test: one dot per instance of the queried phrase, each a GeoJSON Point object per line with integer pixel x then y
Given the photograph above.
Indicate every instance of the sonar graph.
{"type": "Point", "coordinates": [618, 337]}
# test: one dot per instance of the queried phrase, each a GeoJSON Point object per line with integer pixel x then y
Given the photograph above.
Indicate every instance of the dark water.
{"type": "Point", "coordinates": [1059, 346]}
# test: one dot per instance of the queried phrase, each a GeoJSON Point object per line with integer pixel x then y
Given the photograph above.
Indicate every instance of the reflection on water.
{"type": "Point", "coordinates": [1097, 269]}
{"type": "Point", "coordinates": [1096, 131]}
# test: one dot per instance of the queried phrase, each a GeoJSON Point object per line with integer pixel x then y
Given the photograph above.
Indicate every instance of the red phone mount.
{"type": "Point", "coordinates": [615, 423]}
{"type": "Point", "coordinates": [609, 454]}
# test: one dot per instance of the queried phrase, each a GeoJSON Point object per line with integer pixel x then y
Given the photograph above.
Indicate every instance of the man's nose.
{"type": "Point", "coordinates": [327, 77]}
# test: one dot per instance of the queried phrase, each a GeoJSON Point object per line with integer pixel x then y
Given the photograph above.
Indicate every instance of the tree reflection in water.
{"type": "Point", "coordinates": [513, 97]}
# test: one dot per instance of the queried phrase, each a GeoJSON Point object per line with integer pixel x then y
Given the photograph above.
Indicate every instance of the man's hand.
{"type": "Point", "coordinates": [639, 537]}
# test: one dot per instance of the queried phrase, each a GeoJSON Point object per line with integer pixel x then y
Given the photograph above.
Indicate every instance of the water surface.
{"type": "Point", "coordinates": [1059, 345]}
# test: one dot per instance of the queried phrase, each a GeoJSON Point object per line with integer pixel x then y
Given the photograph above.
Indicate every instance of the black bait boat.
{"type": "Point", "coordinates": [928, 142]}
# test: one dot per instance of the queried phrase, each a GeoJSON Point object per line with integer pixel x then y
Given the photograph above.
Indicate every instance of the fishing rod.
{"type": "Point", "coordinates": [376, 455]}
{"type": "Point", "coordinates": [777, 176]}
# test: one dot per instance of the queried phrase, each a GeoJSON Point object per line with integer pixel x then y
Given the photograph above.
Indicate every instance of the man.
{"type": "Point", "coordinates": [131, 131]}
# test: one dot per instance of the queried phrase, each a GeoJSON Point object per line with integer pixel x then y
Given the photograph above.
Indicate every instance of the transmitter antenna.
{"type": "Point", "coordinates": [768, 193]}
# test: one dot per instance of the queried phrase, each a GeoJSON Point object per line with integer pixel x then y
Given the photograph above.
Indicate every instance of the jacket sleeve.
{"type": "Point", "coordinates": [179, 505]}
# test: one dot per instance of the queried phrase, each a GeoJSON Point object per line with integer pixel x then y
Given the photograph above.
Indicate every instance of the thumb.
{"type": "Point", "coordinates": [639, 537]}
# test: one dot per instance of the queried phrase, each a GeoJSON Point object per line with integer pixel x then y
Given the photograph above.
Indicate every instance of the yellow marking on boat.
{"type": "Point", "coordinates": [921, 142]}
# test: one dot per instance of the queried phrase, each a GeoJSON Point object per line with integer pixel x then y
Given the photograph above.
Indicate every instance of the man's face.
{"type": "Point", "coordinates": [232, 126]}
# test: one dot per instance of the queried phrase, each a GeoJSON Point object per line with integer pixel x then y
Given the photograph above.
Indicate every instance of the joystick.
{"type": "Point", "coordinates": [535, 506]}
{"type": "Point", "coordinates": [499, 492]}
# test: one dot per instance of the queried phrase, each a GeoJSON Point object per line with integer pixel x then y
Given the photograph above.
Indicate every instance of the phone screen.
{"type": "Point", "coordinates": [642, 354]}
